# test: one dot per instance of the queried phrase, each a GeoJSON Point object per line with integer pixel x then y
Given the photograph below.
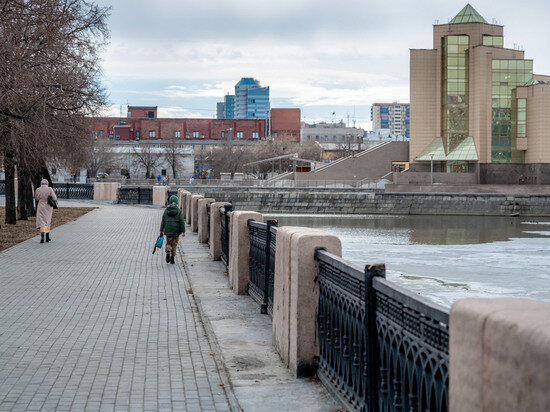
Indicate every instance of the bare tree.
{"type": "Point", "coordinates": [101, 158]}
{"type": "Point", "coordinates": [145, 156]}
{"type": "Point", "coordinates": [49, 83]}
{"type": "Point", "coordinates": [173, 155]}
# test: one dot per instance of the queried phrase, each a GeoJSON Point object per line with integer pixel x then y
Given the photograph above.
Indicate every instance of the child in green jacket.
{"type": "Point", "coordinates": [172, 226]}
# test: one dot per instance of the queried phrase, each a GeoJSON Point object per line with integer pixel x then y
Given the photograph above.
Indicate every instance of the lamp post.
{"type": "Point", "coordinates": [431, 168]}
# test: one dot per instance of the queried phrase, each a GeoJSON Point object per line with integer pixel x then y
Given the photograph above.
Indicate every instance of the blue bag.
{"type": "Point", "coordinates": [158, 243]}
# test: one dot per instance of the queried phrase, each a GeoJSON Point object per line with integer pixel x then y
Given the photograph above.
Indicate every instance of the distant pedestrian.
{"type": "Point", "coordinates": [164, 180]}
{"type": "Point", "coordinates": [158, 179]}
{"type": "Point", "coordinates": [172, 226]}
{"type": "Point", "coordinates": [44, 210]}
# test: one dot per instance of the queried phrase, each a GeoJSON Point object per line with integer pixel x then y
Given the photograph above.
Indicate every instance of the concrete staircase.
{"type": "Point", "coordinates": [370, 164]}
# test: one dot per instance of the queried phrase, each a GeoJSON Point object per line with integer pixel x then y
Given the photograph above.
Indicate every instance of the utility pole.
{"type": "Point", "coordinates": [432, 168]}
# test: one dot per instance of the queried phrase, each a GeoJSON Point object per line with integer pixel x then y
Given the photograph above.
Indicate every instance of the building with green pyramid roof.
{"type": "Point", "coordinates": [477, 107]}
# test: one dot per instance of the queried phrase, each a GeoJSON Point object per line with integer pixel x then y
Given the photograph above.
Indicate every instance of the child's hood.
{"type": "Point", "coordinates": [172, 210]}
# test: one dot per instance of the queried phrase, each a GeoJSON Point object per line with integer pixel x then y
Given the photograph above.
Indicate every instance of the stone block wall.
{"type": "Point", "coordinates": [362, 202]}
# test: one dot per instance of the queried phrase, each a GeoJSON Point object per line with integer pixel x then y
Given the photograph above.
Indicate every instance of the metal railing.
{"type": "Point", "coordinates": [225, 213]}
{"type": "Point", "coordinates": [135, 195]}
{"type": "Point", "coordinates": [2, 187]}
{"type": "Point", "coordinates": [263, 241]}
{"type": "Point", "coordinates": [382, 348]}
{"type": "Point", "coordinates": [74, 190]}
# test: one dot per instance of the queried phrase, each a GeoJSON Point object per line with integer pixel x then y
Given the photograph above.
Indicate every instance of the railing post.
{"type": "Point", "coordinates": [67, 188]}
{"type": "Point", "coordinates": [139, 195]}
{"type": "Point", "coordinates": [267, 265]}
{"type": "Point", "coordinates": [373, 366]}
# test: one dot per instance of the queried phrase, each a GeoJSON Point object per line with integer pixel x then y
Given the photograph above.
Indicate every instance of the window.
{"type": "Point", "coordinates": [196, 134]}
{"type": "Point", "coordinates": [255, 135]}
{"type": "Point", "coordinates": [152, 134]}
{"type": "Point", "coordinates": [151, 115]}
{"type": "Point", "coordinates": [177, 134]}
{"type": "Point", "coordinates": [239, 135]}
{"type": "Point", "coordinates": [137, 134]}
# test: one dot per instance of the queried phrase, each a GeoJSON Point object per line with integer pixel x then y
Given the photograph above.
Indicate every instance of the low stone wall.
{"type": "Point", "coordinates": [363, 202]}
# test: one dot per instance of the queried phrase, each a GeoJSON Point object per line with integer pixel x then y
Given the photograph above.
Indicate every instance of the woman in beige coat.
{"type": "Point", "coordinates": [44, 210]}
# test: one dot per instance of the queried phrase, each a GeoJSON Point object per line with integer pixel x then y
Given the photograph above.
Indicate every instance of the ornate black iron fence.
{"type": "Point", "coordinates": [225, 213]}
{"type": "Point", "coordinates": [135, 195]}
{"type": "Point", "coordinates": [2, 187]}
{"type": "Point", "coordinates": [263, 240]}
{"type": "Point", "coordinates": [381, 346]}
{"type": "Point", "coordinates": [74, 190]}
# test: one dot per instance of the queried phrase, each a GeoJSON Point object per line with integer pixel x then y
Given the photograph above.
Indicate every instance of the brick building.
{"type": "Point", "coordinates": [139, 126]}
{"type": "Point", "coordinates": [285, 124]}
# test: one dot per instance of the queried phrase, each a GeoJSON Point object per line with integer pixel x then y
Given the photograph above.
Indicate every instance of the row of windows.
{"type": "Point", "coordinates": [177, 134]}
{"type": "Point", "coordinates": [513, 65]}
{"type": "Point", "coordinates": [493, 41]}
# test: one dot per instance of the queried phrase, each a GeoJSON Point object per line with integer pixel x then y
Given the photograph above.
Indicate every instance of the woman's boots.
{"type": "Point", "coordinates": [48, 237]}
{"type": "Point", "coordinates": [42, 237]}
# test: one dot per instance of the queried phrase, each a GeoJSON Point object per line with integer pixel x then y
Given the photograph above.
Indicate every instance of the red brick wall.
{"type": "Point", "coordinates": [138, 113]}
{"type": "Point", "coordinates": [167, 128]}
{"type": "Point", "coordinates": [285, 124]}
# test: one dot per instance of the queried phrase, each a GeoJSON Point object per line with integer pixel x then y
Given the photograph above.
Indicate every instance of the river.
{"type": "Point", "coordinates": [445, 258]}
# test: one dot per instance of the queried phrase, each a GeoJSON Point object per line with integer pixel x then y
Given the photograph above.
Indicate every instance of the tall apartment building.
{"type": "Point", "coordinates": [391, 116]}
{"type": "Point", "coordinates": [251, 99]}
{"type": "Point", "coordinates": [229, 106]}
{"type": "Point", "coordinates": [476, 106]}
{"type": "Point", "coordinates": [220, 110]}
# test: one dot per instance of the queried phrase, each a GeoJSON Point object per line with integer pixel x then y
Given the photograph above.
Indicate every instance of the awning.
{"type": "Point", "coordinates": [465, 152]}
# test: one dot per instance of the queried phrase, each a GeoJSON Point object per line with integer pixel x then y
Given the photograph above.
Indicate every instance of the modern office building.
{"type": "Point", "coordinates": [477, 107]}
{"type": "Point", "coordinates": [229, 106]}
{"type": "Point", "coordinates": [391, 116]}
{"type": "Point", "coordinates": [220, 110]}
{"type": "Point", "coordinates": [251, 99]}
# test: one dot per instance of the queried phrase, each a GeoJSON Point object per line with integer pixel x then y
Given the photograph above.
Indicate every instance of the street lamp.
{"type": "Point", "coordinates": [431, 168]}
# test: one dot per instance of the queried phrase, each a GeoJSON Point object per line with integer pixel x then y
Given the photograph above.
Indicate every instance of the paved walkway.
{"type": "Point", "coordinates": [94, 320]}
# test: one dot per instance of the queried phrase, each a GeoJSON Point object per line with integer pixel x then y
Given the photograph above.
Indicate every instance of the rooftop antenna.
{"type": "Point", "coordinates": [354, 116]}
{"type": "Point", "coordinates": [347, 124]}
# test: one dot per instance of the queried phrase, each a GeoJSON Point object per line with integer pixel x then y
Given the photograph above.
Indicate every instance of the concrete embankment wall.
{"type": "Point", "coordinates": [363, 202]}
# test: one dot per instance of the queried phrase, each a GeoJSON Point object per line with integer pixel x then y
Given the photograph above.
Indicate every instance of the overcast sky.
{"type": "Point", "coordinates": [322, 56]}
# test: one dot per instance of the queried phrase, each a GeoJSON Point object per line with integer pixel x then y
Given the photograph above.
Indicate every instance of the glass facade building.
{"type": "Point", "coordinates": [475, 102]}
{"type": "Point", "coordinates": [229, 106]}
{"type": "Point", "coordinates": [251, 99]}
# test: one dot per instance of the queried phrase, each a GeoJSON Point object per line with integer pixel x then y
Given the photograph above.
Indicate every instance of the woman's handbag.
{"type": "Point", "coordinates": [52, 202]}
{"type": "Point", "coordinates": [158, 243]}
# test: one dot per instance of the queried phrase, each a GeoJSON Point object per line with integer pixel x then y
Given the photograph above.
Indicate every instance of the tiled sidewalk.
{"type": "Point", "coordinates": [94, 320]}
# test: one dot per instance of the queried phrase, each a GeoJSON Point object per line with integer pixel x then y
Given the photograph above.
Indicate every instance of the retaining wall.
{"type": "Point", "coordinates": [362, 202]}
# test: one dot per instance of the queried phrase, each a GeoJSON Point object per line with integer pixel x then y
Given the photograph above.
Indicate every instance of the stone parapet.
{"type": "Point", "coordinates": [188, 207]}
{"type": "Point", "coordinates": [194, 209]}
{"type": "Point", "coordinates": [106, 191]}
{"type": "Point", "coordinates": [239, 244]}
{"type": "Point", "coordinates": [296, 295]}
{"type": "Point", "coordinates": [203, 219]}
{"type": "Point", "coordinates": [182, 200]}
{"type": "Point", "coordinates": [215, 229]}
{"type": "Point", "coordinates": [499, 353]}
{"type": "Point", "coordinates": [160, 195]}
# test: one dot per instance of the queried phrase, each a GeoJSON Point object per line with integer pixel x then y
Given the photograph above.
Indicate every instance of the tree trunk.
{"type": "Point", "coordinates": [25, 201]}
{"type": "Point", "coordinates": [174, 170]}
{"type": "Point", "coordinates": [22, 179]}
{"type": "Point", "coordinates": [9, 168]}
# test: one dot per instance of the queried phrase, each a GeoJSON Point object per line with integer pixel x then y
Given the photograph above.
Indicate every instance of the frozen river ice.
{"type": "Point", "coordinates": [445, 258]}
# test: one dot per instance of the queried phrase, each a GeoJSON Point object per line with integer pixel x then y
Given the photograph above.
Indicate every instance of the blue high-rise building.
{"type": "Point", "coordinates": [251, 99]}
{"type": "Point", "coordinates": [229, 106]}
